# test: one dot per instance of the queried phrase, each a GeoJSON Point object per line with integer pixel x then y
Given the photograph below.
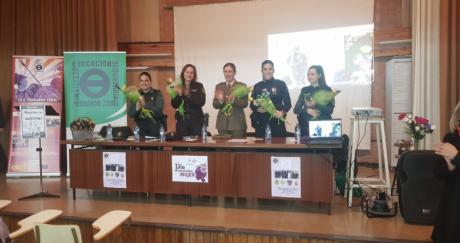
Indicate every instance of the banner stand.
{"type": "Point", "coordinates": [42, 193]}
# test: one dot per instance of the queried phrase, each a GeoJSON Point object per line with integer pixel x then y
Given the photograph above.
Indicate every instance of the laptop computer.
{"type": "Point", "coordinates": [325, 131]}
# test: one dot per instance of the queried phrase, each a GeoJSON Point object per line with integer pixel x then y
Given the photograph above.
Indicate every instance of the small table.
{"type": "Point", "coordinates": [27, 224]}
{"type": "Point", "coordinates": [109, 222]}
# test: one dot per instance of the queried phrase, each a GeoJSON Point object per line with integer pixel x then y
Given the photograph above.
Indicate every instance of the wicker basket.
{"type": "Point", "coordinates": [82, 134]}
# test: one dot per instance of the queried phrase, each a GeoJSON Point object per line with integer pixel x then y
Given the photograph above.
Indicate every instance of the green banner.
{"type": "Point", "coordinates": [91, 81]}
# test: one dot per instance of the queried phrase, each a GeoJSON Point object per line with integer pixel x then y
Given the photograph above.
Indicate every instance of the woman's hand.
{"type": "Point", "coordinates": [310, 103]}
{"type": "Point", "coordinates": [279, 114]}
{"type": "Point", "coordinates": [179, 90]}
{"type": "Point", "coordinates": [230, 98]}
{"type": "Point", "coordinates": [140, 103]}
{"type": "Point", "coordinates": [219, 95]}
{"type": "Point", "coordinates": [447, 150]}
{"type": "Point", "coordinates": [313, 112]}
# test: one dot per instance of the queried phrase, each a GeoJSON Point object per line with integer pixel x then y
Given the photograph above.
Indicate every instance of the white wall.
{"type": "Point", "coordinates": [208, 36]}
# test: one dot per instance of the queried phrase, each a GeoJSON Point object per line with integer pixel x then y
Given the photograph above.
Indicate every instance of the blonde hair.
{"type": "Point", "coordinates": [454, 122]}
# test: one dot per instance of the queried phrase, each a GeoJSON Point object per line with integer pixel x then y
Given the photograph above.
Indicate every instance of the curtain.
{"type": "Point", "coordinates": [50, 27]}
{"type": "Point", "coordinates": [449, 60]}
{"type": "Point", "coordinates": [425, 28]}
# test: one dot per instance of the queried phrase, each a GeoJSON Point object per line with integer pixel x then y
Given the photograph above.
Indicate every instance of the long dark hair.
{"type": "Point", "coordinates": [195, 75]}
{"type": "Point", "coordinates": [321, 77]}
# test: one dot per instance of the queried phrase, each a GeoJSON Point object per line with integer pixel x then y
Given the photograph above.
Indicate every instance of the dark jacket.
{"type": "Point", "coordinates": [194, 102]}
{"type": "Point", "coordinates": [300, 109]}
{"type": "Point", "coordinates": [154, 102]}
{"type": "Point", "coordinates": [447, 221]}
{"type": "Point", "coordinates": [279, 95]}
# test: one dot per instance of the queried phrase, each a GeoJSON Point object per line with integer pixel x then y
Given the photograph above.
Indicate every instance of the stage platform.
{"type": "Point", "coordinates": [165, 218]}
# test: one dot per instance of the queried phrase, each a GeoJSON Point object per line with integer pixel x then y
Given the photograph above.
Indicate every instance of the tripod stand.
{"type": "Point", "coordinates": [42, 193]}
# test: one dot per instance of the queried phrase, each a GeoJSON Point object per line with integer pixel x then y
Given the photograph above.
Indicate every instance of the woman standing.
{"type": "Point", "coordinates": [306, 109]}
{"type": "Point", "coordinates": [231, 122]}
{"type": "Point", "coordinates": [447, 221]}
{"type": "Point", "coordinates": [191, 96]}
{"type": "Point", "coordinates": [151, 99]}
{"type": "Point", "coordinates": [279, 95]}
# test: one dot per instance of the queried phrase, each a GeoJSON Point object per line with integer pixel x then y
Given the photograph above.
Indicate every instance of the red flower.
{"type": "Point", "coordinates": [421, 120]}
{"type": "Point", "coordinates": [401, 116]}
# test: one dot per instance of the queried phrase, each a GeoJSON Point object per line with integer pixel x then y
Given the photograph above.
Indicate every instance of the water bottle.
{"type": "Point", "coordinates": [137, 135]}
{"type": "Point", "coordinates": [109, 132]}
{"type": "Point", "coordinates": [298, 135]}
{"type": "Point", "coordinates": [162, 133]}
{"type": "Point", "coordinates": [268, 133]}
{"type": "Point", "coordinates": [204, 132]}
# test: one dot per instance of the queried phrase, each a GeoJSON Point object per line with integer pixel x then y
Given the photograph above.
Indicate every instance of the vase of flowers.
{"type": "Point", "coordinates": [416, 127]}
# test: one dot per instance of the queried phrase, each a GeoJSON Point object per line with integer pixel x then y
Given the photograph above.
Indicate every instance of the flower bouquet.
{"type": "Point", "coordinates": [133, 95]}
{"type": "Point", "coordinates": [239, 91]}
{"type": "Point", "coordinates": [82, 128]}
{"type": "Point", "coordinates": [171, 90]}
{"type": "Point", "coordinates": [322, 98]}
{"type": "Point", "coordinates": [416, 127]}
{"type": "Point", "coordinates": [263, 101]}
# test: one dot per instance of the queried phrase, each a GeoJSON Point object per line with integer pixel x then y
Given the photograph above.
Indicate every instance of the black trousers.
{"type": "Point", "coordinates": [191, 125]}
{"type": "Point", "coordinates": [278, 128]}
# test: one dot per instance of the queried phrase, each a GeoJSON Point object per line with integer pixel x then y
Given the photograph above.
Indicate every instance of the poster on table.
{"type": "Point", "coordinates": [114, 169]}
{"type": "Point", "coordinates": [37, 82]}
{"type": "Point", "coordinates": [286, 177]}
{"type": "Point", "coordinates": [192, 169]}
{"type": "Point", "coordinates": [91, 81]}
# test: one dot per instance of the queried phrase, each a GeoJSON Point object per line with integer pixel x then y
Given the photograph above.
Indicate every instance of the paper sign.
{"type": "Point", "coordinates": [286, 177]}
{"type": "Point", "coordinates": [114, 169]}
{"type": "Point", "coordinates": [189, 168]}
{"type": "Point", "coordinates": [33, 121]}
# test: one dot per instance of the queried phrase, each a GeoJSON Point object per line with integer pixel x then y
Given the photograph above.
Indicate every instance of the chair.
{"type": "Point", "coordinates": [47, 233]}
{"type": "Point", "coordinates": [4, 203]}
{"type": "Point", "coordinates": [27, 224]}
{"type": "Point", "coordinates": [107, 223]}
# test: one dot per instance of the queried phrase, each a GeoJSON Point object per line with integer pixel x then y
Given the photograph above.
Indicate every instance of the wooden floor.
{"type": "Point", "coordinates": [219, 216]}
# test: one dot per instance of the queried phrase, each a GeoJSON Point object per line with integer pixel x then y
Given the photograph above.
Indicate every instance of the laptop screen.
{"type": "Point", "coordinates": [325, 128]}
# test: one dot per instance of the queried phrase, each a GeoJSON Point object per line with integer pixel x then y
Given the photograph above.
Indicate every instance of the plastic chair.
{"type": "Point", "coordinates": [27, 224]}
{"type": "Point", "coordinates": [47, 233]}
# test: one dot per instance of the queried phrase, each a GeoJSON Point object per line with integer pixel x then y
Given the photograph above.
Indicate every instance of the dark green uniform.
{"type": "Point", "coordinates": [235, 123]}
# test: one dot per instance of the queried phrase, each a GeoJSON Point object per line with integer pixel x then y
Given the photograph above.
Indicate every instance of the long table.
{"type": "Point", "coordinates": [235, 169]}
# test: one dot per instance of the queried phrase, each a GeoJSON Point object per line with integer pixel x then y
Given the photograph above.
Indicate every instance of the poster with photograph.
{"type": "Point", "coordinates": [36, 107]}
{"type": "Point", "coordinates": [187, 168]}
{"type": "Point", "coordinates": [286, 177]}
{"type": "Point", "coordinates": [114, 169]}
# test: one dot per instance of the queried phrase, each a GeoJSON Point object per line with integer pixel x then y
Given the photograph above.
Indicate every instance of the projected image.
{"type": "Point", "coordinates": [345, 53]}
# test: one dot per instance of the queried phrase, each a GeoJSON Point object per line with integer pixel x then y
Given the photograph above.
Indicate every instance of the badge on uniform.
{"type": "Point", "coordinates": [273, 90]}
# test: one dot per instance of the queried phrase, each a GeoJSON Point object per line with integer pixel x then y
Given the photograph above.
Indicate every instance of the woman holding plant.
{"type": "Point", "coordinates": [316, 101]}
{"type": "Point", "coordinates": [270, 103]}
{"type": "Point", "coordinates": [188, 99]}
{"type": "Point", "coordinates": [146, 106]}
{"type": "Point", "coordinates": [230, 98]}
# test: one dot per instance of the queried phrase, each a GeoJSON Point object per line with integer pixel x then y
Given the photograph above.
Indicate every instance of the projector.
{"type": "Point", "coordinates": [366, 111]}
